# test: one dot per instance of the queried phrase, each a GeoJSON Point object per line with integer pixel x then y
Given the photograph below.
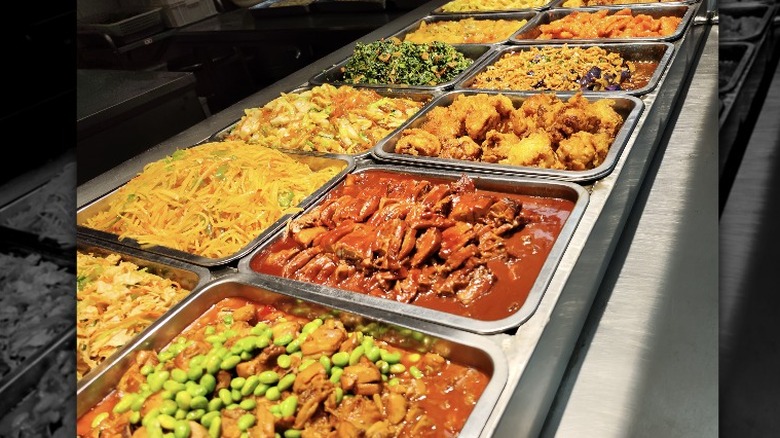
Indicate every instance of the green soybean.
{"type": "Point", "coordinates": [245, 355]}
{"type": "Point", "coordinates": [146, 370]}
{"type": "Point", "coordinates": [284, 339]}
{"type": "Point", "coordinates": [124, 404]}
{"type": "Point", "coordinates": [273, 393]}
{"type": "Point", "coordinates": [166, 421]}
{"type": "Point", "coordinates": [268, 377]}
{"type": "Point", "coordinates": [168, 407]}
{"type": "Point", "coordinates": [250, 385]}
{"type": "Point", "coordinates": [215, 428]}
{"type": "Point", "coordinates": [138, 403]}
{"type": "Point", "coordinates": [286, 382]}
{"type": "Point", "coordinates": [98, 419]}
{"type": "Point", "coordinates": [284, 361]}
{"type": "Point", "coordinates": [180, 414]}
{"type": "Point", "coordinates": [210, 330]}
{"type": "Point", "coordinates": [340, 359]}
{"type": "Point", "coordinates": [339, 394]}
{"type": "Point", "coordinates": [354, 357]}
{"type": "Point", "coordinates": [182, 429]}
{"type": "Point", "coordinates": [208, 382]}
{"type": "Point", "coordinates": [415, 372]}
{"type": "Point", "coordinates": [245, 421]}
{"type": "Point", "coordinates": [305, 364]}
{"type": "Point", "coordinates": [224, 395]}
{"type": "Point", "coordinates": [135, 417]}
{"type": "Point", "coordinates": [383, 366]}
{"type": "Point", "coordinates": [166, 395]}
{"type": "Point", "coordinates": [397, 368]}
{"type": "Point", "coordinates": [391, 358]}
{"type": "Point", "coordinates": [235, 395]}
{"type": "Point", "coordinates": [335, 374]}
{"type": "Point", "coordinates": [156, 380]}
{"type": "Point", "coordinates": [165, 356]}
{"type": "Point", "coordinates": [194, 373]}
{"type": "Point", "coordinates": [287, 406]}
{"type": "Point", "coordinates": [179, 375]}
{"type": "Point", "coordinates": [372, 353]}
{"type": "Point", "coordinates": [215, 404]}
{"type": "Point", "coordinates": [293, 346]}
{"type": "Point", "coordinates": [230, 333]}
{"type": "Point", "coordinates": [325, 362]}
{"type": "Point", "coordinates": [414, 357]}
{"type": "Point", "coordinates": [261, 389]}
{"type": "Point", "coordinates": [237, 382]}
{"type": "Point", "coordinates": [153, 429]}
{"type": "Point", "coordinates": [292, 433]}
{"type": "Point", "coordinates": [312, 325]}
{"type": "Point", "coordinates": [173, 386]}
{"type": "Point", "coordinates": [248, 404]}
{"type": "Point", "coordinates": [207, 418]}
{"type": "Point", "coordinates": [195, 415]}
{"type": "Point", "coordinates": [199, 402]}
{"type": "Point", "coordinates": [183, 400]}
{"type": "Point", "coordinates": [229, 362]}
{"type": "Point", "coordinates": [262, 341]}
{"type": "Point", "coordinates": [212, 364]}
{"type": "Point", "coordinates": [394, 381]}
{"type": "Point", "coordinates": [151, 415]}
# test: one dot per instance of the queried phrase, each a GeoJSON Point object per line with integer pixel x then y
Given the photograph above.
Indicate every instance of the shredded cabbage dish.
{"type": "Point", "coordinates": [116, 300]}
{"type": "Point", "coordinates": [210, 200]}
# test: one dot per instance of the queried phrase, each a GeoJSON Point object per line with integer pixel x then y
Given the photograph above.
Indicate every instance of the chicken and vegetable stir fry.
{"type": "Point", "coordinates": [253, 370]}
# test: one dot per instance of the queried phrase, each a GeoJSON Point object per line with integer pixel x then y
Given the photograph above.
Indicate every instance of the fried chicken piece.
{"type": "Point", "coordinates": [441, 123]}
{"type": "Point", "coordinates": [496, 146]}
{"type": "Point", "coordinates": [521, 124]}
{"type": "Point", "coordinates": [610, 121]}
{"type": "Point", "coordinates": [534, 150]}
{"type": "Point", "coordinates": [583, 150]}
{"type": "Point", "coordinates": [416, 141]}
{"type": "Point", "coordinates": [542, 108]}
{"type": "Point", "coordinates": [462, 148]}
{"type": "Point", "coordinates": [572, 118]}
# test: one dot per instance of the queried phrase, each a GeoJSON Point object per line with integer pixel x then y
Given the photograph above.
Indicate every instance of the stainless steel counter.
{"type": "Point", "coordinates": [646, 361]}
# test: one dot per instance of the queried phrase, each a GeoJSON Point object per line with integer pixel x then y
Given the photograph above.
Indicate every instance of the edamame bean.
{"type": "Point", "coordinates": [286, 382]}
{"type": "Point", "coordinates": [248, 404]}
{"type": "Point", "coordinates": [414, 357]}
{"type": "Point", "coordinates": [215, 404]}
{"type": "Point", "coordinates": [284, 361]}
{"type": "Point", "coordinates": [372, 353]}
{"type": "Point", "coordinates": [325, 362]}
{"type": "Point", "coordinates": [124, 404]}
{"type": "Point", "coordinates": [229, 362]}
{"type": "Point", "coordinates": [245, 421]}
{"type": "Point", "coordinates": [261, 389]}
{"type": "Point", "coordinates": [292, 433]}
{"type": "Point", "coordinates": [208, 382]}
{"type": "Point", "coordinates": [146, 370]}
{"type": "Point", "coordinates": [151, 415]}
{"type": "Point", "coordinates": [135, 417]}
{"type": "Point", "coordinates": [195, 373]}
{"type": "Point", "coordinates": [212, 364]}
{"type": "Point", "coordinates": [235, 395]}
{"type": "Point", "coordinates": [224, 395]}
{"type": "Point", "coordinates": [195, 415]}
{"type": "Point", "coordinates": [156, 380]}
{"type": "Point", "coordinates": [166, 395]}
{"type": "Point", "coordinates": [293, 346]}
{"type": "Point", "coordinates": [168, 407]}
{"type": "Point", "coordinates": [199, 402]}
{"type": "Point", "coordinates": [230, 333]}
{"type": "Point", "coordinates": [153, 429]}
{"type": "Point", "coordinates": [207, 418]}
{"type": "Point", "coordinates": [273, 393]}
{"type": "Point", "coordinates": [340, 359]}
{"type": "Point", "coordinates": [173, 386]}
{"type": "Point", "coordinates": [268, 377]}
{"type": "Point", "coordinates": [250, 385]}
{"type": "Point", "coordinates": [216, 427]}
{"type": "Point", "coordinates": [394, 381]}
{"type": "Point", "coordinates": [262, 341]}
{"type": "Point", "coordinates": [138, 403]}
{"type": "Point", "coordinates": [182, 429]}
{"type": "Point", "coordinates": [367, 342]}
{"type": "Point", "coordinates": [383, 366]}
{"type": "Point", "coordinates": [179, 375]}
{"type": "Point", "coordinates": [354, 357]}
{"type": "Point", "coordinates": [284, 339]}
{"type": "Point", "coordinates": [180, 414]}
{"type": "Point", "coordinates": [397, 368]}
{"type": "Point", "coordinates": [98, 419]}
{"type": "Point", "coordinates": [183, 400]}
{"type": "Point", "coordinates": [415, 372]}
{"type": "Point", "coordinates": [210, 330]}
{"type": "Point", "coordinates": [166, 421]}
{"type": "Point", "coordinates": [245, 355]}
{"type": "Point", "coordinates": [305, 364]}
{"type": "Point", "coordinates": [335, 374]}
{"type": "Point", "coordinates": [165, 356]}
{"type": "Point", "coordinates": [287, 406]}
{"type": "Point", "coordinates": [339, 394]}
{"type": "Point", "coordinates": [237, 382]}
{"type": "Point", "coordinates": [391, 358]}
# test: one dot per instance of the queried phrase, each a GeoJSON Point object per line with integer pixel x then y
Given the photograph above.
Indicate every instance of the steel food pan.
{"type": "Point", "coordinates": [280, 8]}
{"type": "Point", "coordinates": [658, 53]}
{"type": "Point", "coordinates": [189, 276]}
{"type": "Point", "coordinates": [414, 94]}
{"type": "Point", "coordinates": [559, 4]}
{"type": "Point", "coordinates": [476, 52]}
{"type": "Point", "coordinates": [733, 58]}
{"type": "Point", "coordinates": [744, 21]}
{"type": "Point", "coordinates": [529, 33]}
{"type": "Point", "coordinates": [314, 161]}
{"type": "Point", "coordinates": [518, 16]}
{"type": "Point", "coordinates": [462, 347]}
{"type": "Point", "coordinates": [440, 10]}
{"type": "Point", "coordinates": [520, 312]}
{"type": "Point", "coordinates": [629, 107]}
{"type": "Point", "coordinates": [18, 391]}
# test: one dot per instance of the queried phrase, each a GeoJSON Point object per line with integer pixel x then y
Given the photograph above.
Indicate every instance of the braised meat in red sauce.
{"type": "Point", "coordinates": [431, 242]}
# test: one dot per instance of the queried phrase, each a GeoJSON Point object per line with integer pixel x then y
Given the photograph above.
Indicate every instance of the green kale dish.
{"type": "Point", "coordinates": [405, 63]}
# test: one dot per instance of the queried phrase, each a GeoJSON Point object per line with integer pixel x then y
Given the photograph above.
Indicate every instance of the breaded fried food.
{"type": "Point", "coordinates": [535, 150]}
{"type": "Point", "coordinates": [583, 150]}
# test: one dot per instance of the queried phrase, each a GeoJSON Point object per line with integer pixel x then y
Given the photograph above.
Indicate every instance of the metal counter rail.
{"type": "Point", "coordinates": [539, 350]}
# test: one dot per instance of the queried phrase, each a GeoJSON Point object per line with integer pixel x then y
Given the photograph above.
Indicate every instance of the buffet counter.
{"type": "Point", "coordinates": [574, 368]}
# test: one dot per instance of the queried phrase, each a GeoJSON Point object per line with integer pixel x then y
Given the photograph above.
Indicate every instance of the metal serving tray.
{"type": "Point", "coordinates": [733, 58]}
{"type": "Point", "coordinates": [315, 161]}
{"type": "Point", "coordinates": [280, 8]}
{"type": "Point", "coordinates": [457, 17]}
{"type": "Point", "coordinates": [414, 94]}
{"type": "Point", "coordinates": [463, 347]}
{"type": "Point", "coordinates": [534, 187]}
{"type": "Point", "coordinates": [477, 52]}
{"type": "Point", "coordinates": [528, 34]}
{"type": "Point", "coordinates": [440, 10]}
{"type": "Point", "coordinates": [15, 389]}
{"type": "Point", "coordinates": [761, 12]}
{"type": "Point", "coordinates": [658, 52]}
{"type": "Point", "coordinates": [629, 107]}
{"type": "Point", "coordinates": [558, 4]}
{"type": "Point", "coordinates": [189, 276]}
